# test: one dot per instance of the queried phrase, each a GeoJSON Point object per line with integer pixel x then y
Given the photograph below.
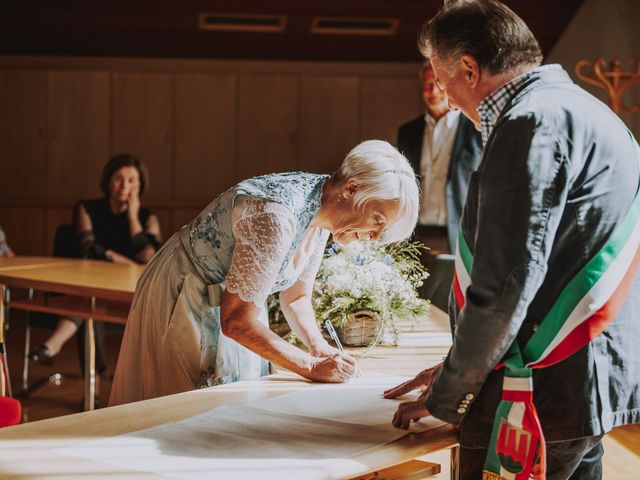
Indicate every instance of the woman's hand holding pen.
{"type": "Point", "coordinates": [334, 364]}
{"type": "Point", "coordinates": [335, 369]}
{"type": "Point", "coordinates": [325, 351]}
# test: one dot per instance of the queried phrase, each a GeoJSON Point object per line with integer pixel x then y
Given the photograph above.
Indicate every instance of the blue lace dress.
{"type": "Point", "coordinates": [252, 240]}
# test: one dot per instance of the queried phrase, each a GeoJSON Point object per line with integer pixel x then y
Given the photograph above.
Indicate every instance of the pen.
{"type": "Point", "coordinates": [334, 335]}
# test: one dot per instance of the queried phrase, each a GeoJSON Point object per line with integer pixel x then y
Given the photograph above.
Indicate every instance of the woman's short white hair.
{"type": "Point", "coordinates": [383, 173]}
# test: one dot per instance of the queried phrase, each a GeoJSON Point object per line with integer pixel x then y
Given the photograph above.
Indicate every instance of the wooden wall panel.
{"type": "Point", "coordinates": [328, 121]}
{"type": "Point", "coordinates": [142, 123]}
{"type": "Point", "coordinates": [22, 132]}
{"type": "Point", "coordinates": [267, 124]}
{"type": "Point", "coordinates": [387, 103]}
{"type": "Point", "coordinates": [78, 127]}
{"type": "Point", "coordinates": [24, 228]}
{"type": "Point", "coordinates": [199, 125]}
{"type": "Point", "coordinates": [205, 135]}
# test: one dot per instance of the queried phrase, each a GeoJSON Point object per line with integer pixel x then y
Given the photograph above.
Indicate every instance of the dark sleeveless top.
{"type": "Point", "coordinates": [111, 231]}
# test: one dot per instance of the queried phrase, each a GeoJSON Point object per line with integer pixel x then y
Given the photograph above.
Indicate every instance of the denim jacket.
{"type": "Point", "coordinates": [557, 175]}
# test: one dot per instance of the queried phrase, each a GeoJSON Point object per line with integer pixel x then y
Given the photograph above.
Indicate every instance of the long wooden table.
{"type": "Point", "coordinates": [26, 451]}
{"type": "Point", "coordinates": [91, 289]}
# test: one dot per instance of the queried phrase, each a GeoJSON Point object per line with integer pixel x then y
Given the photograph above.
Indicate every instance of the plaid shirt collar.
{"type": "Point", "coordinates": [492, 106]}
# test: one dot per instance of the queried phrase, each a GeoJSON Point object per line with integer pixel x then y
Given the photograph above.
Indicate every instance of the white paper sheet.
{"type": "Point", "coordinates": [359, 401]}
{"type": "Point", "coordinates": [309, 434]}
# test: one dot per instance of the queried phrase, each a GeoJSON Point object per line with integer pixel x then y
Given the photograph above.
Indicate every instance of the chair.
{"type": "Point", "coordinates": [10, 411]}
{"type": "Point", "coordinates": [10, 408]}
{"type": "Point", "coordinates": [65, 245]}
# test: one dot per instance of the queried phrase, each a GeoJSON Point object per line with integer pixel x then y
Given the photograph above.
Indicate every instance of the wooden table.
{"type": "Point", "coordinates": [26, 451]}
{"type": "Point", "coordinates": [92, 289]}
{"type": "Point", "coordinates": [16, 263]}
{"type": "Point", "coordinates": [6, 264]}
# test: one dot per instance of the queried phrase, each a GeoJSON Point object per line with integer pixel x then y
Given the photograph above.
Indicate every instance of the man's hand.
{"type": "Point", "coordinates": [423, 382]}
{"type": "Point", "coordinates": [410, 411]}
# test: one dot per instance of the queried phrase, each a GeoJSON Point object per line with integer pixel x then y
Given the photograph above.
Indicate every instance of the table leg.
{"type": "Point", "coordinates": [27, 347]}
{"type": "Point", "coordinates": [5, 377]}
{"type": "Point", "coordinates": [455, 463]}
{"type": "Point", "coordinates": [89, 362]}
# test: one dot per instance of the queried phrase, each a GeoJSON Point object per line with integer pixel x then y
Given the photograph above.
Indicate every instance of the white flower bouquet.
{"type": "Point", "coordinates": [369, 276]}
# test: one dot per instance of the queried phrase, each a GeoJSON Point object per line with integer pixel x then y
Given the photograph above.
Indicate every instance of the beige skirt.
{"type": "Point", "coordinates": [172, 341]}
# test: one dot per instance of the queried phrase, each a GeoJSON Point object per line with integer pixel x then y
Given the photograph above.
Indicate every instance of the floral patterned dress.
{"type": "Point", "coordinates": [253, 240]}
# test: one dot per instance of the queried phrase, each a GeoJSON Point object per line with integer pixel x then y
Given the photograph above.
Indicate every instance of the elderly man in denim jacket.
{"type": "Point", "coordinates": [545, 303]}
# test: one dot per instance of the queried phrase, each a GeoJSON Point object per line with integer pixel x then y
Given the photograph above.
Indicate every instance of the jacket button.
{"type": "Point", "coordinates": [469, 396]}
{"type": "Point", "coordinates": [462, 410]}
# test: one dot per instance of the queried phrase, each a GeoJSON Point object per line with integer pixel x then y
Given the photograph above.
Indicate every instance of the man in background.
{"type": "Point", "coordinates": [443, 148]}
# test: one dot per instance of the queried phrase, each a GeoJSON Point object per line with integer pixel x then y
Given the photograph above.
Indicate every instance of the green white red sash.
{"type": "Point", "coordinates": [584, 308]}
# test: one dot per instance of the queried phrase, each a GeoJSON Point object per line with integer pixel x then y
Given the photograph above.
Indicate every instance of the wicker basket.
{"type": "Point", "coordinates": [361, 329]}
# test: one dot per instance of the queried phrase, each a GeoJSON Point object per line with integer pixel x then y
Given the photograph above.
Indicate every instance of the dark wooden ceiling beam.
{"type": "Point", "coordinates": [167, 28]}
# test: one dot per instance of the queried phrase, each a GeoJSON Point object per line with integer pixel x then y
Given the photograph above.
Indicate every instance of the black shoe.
{"type": "Point", "coordinates": [42, 355]}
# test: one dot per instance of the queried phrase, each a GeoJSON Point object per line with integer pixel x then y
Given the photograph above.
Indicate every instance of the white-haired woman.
{"type": "Point", "coordinates": [198, 317]}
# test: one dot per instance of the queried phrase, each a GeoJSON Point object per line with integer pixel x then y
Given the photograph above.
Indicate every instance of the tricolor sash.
{"type": "Point", "coordinates": [585, 307]}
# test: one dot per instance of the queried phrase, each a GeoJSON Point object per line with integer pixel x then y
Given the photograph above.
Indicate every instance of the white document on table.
{"type": "Point", "coordinates": [308, 434]}
{"type": "Point", "coordinates": [359, 401]}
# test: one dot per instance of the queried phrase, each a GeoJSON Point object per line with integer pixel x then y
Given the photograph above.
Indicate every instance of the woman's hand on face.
{"type": "Point", "coordinates": [423, 382]}
{"type": "Point", "coordinates": [333, 369]}
{"type": "Point", "coordinates": [410, 411]}
{"type": "Point", "coordinates": [134, 203]}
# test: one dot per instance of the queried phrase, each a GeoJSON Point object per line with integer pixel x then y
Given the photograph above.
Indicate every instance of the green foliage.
{"type": "Point", "coordinates": [370, 276]}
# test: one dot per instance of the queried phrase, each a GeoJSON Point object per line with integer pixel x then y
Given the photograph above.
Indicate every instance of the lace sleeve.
{"type": "Point", "coordinates": [89, 247]}
{"type": "Point", "coordinates": [316, 253]}
{"type": "Point", "coordinates": [264, 232]}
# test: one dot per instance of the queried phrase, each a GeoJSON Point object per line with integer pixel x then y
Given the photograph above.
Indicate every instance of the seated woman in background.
{"type": "Point", "coordinates": [114, 228]}
{"type": "Point", "coordinates": [5, 249]}
{"type": "Point", "coordinates": [198, 317]}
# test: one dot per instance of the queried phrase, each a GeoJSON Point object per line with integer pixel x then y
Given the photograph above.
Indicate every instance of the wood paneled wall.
{"type": "Point", "coordinates": [199, 125]}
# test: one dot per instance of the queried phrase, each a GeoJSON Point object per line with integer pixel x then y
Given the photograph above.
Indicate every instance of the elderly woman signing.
{"type": "Point", "coordinates": [198, 317]}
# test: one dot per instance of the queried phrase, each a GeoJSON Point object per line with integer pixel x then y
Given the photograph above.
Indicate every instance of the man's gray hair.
{"type": "Point", "coordinates": [487, 30]}
{"type": "Point", "coordinates": [383, 173]}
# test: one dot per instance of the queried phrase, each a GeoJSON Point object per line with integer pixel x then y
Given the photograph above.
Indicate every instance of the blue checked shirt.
{"type": "Point", "coordinates": [491, 107]}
